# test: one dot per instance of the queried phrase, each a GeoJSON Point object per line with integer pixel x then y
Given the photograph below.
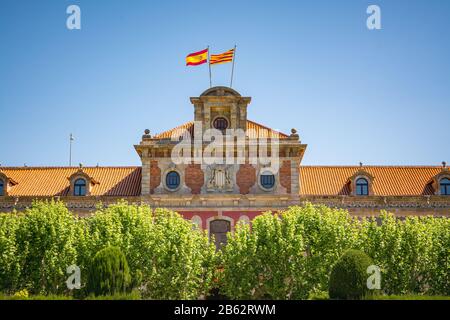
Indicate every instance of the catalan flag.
{"type": "Point", "coordinates": [222, 58]}
{"type": "Point", "coordinates": [197, 58]}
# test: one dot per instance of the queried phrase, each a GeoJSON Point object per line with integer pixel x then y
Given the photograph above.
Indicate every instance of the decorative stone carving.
{"type": "Point", "coordinates": [219, 179]}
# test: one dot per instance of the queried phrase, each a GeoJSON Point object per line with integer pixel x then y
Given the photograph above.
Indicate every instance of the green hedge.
{"type": "Point", "coordinates": [282, 256]}
{"type": "Point", "coordinates": [290, 255]}
{"type": "Point", "coordinates": [167, 258]}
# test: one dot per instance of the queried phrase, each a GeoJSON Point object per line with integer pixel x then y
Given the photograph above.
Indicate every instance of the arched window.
{"type": "Point", "coordinates": [220, 123]}
{"type": "Point", "coordinates": [2, 186]}
{"type": "Point", "coordinates": [362, 187]}
{"type": "Point", "coordinates": [79, 187]}
{"type": "Point", "coordinates": [244, 219]}
{"type": "Point", "coordinates": [173, 180]}
{"type": "Point", "coordinates": [197, 222]}
{"type": "Point", "coordinates": [267, 180]}
{"type": "Point", "coordinates": [445, 186]}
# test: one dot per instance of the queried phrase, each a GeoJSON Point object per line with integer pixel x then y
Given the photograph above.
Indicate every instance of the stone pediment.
{"type": "Point", "coordinates": [220, 92]}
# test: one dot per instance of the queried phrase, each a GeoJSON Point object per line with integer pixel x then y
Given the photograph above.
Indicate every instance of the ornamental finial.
{"type": "Point", "coordinates": [146, 134]}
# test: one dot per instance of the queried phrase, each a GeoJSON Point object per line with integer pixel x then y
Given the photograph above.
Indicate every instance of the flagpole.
{"type": "Point", "coordinates": [232, 68]}
{"type": "Point", "coordinates": [209, 65]}
{"type": "Point", "coordinates": [70, 150]}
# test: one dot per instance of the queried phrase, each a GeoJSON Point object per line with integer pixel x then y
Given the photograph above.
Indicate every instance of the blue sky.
{"type": "Point", "coordinates": [380, 97]}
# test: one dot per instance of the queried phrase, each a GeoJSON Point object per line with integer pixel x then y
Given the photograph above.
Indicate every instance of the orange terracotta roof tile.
{"type": "Point", "coordinates": [256, 130]}
{"type": "Point", "coordinates": [177, 131]}
{"type": "Point", "coordinates": [388, 180]}
{"type": "Point", "coordinates": [263, 131]}
{"type": "Point", "coordinates": [314, 180]}
{"type": "Point", "coordinates": [53, 181]}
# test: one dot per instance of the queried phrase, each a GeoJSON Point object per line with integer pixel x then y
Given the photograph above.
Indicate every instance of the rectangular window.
{"type": "Point", "coordinates": [362, 190]}
{"type": "Point", "coordinates": [80, 190]}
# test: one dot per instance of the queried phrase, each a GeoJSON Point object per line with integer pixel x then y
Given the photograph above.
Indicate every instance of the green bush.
{"type": "Point", "coordinates": [167, 258]}
{"type": "Point", "coordinates": [407, 297]}
{"type": "Point", "coordinates": [134, 295]}
{"type": "Point", "coordinates": [320, 295]}
{"type": "Point", "coordinates": [109, 273]}
{"type": "Point", "coordinates": [348, 279]}
{"type": "Point", "coordinates": [38, 247]}
{"type": "Point", "coordinates": [10, 268]}
{"type": "Point", "coordinates": [287, 255]}
{"type": "Point", "coordinates": [24, 295]}
{"type": "Point", "coordinates": [283, 256]}
{"type": "Point", "coordinates": [413, 254]}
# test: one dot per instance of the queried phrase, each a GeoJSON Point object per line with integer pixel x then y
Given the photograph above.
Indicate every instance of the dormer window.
{"type": "Point", "coordinates": [82, 184]}
{"type": "Point", "coordinates": [79, 187]}
{"type": "Point", "coordinates": [6, 183]}
{"type": "Point", "coordinates": [361, 182]}
{"type": "Point", "coordinates": [362, 187]}
{"type": "Point", "coordinates": [441, 182]}
{"type": "Point", "coordinates": [445, 186]}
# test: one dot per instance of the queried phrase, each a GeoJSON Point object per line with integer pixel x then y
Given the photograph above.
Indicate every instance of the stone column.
{"type": "Point", "coordinates": [145, 182]}
{"type": "Point", "coordinates": [295, 181]}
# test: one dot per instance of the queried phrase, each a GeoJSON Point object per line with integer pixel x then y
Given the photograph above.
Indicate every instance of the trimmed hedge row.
{"type": "Point", "coordinates": [167, 259]}
{"type": "Point", "coordinates": [281, 256]}
{"type": "Point", "coordinates": [291, 255]}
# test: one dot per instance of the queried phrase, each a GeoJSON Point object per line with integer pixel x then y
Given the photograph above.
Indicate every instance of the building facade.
{"type": "Point", "coordinates": [175, 173]}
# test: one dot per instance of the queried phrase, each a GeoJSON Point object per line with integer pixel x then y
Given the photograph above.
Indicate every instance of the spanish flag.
{"type": "Point", "coordinates": [222, 58]}
{"type": "Point", "coordinates": [197, 58]}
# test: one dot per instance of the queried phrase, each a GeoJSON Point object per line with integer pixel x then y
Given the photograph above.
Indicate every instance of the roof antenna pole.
{"type": "Point", "coordinates": [70, 149]}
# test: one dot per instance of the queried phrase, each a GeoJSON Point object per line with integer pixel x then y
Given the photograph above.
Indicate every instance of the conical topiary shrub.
{"type": "Point", "coordinates": [109, 273]}
{"type": "Point", "coordinates": [348, 279]}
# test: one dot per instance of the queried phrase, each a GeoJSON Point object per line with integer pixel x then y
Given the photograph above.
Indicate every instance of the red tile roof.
{"type": "Point", "coordinates": [53, 181]}
{"type": "Point", "coordinates": [314, 180]}
{"type": "Point", "coordinates": [256, 130]}
{"type": "Point", "coordinates": [388, 180]}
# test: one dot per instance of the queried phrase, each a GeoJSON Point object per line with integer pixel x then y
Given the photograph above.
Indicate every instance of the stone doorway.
{"type": "Point", "coordinates": [218, 229]}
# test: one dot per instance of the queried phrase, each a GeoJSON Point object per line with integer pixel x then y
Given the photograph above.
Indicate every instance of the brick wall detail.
{"type": "Point", "coordinates": [155, 176]}
{"type": "Point", "coordinates": [245, 178]}
{"type": "Point", "coordinates": [285, 175]}
{"type": "Point", "coordinates": [194, 178]}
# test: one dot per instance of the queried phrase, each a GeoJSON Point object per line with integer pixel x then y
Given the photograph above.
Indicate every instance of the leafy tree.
{"type": "Point", "coordinates": [46, 238]}
{"type": "Point", "coordinates": [167, 258]}
{"type": "Point", "coordinates": [10, 268]}
{"type": "Point", "coordinates": [287, 255]}
{"type": "Point", "coordinates": [180, 263]}
{"type": "Point", "coordinates": [413, 254]}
